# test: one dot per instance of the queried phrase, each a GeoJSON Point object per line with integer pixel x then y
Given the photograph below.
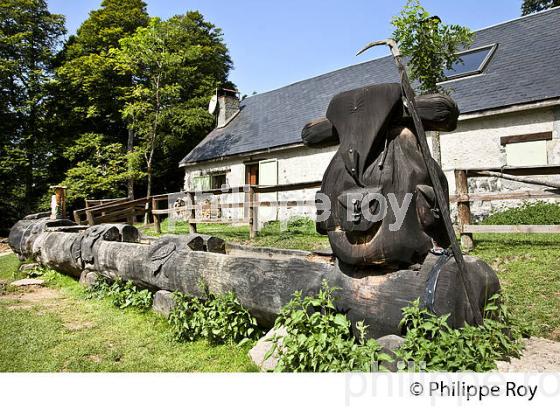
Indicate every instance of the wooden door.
{"type": "Point", "coordinates": [252, 174]}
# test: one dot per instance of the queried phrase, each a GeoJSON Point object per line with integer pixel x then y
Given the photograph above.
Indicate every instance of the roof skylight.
{"type": "Point", "coordinates": [472, 62]}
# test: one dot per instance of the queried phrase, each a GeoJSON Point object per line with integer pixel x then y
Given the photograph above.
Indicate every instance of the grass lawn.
{"type": "Point", "coordinates": [528, 266]}
{"type": "Point", "coordinates": [56, 328]}
{"type": "Point", "coordinates": [294, 236]}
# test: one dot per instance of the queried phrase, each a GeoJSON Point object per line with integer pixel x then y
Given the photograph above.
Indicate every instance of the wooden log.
{"type": "Point", "coordinates": [156, 222]}
{"type": "Point", "coordinates": [89, 217]}
{"type": "Point", "coordinates": [77, 218]}
{"type": "Point", "coordinates": [262, 281]}
{"type": "Point", "coordinates": [463, 209]}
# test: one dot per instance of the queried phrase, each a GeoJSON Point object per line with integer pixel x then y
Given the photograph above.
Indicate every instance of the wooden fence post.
{"type": "Point", "coordinates": [156, 216]}
{"type": "Point", "coordinates": [192, 225]}
{"type": "Point", "coordinates": [90, 218]}
{"type": "Point", "coordinates": [253, 213]}
{"type": "Point", "coordinates": [463, 208]}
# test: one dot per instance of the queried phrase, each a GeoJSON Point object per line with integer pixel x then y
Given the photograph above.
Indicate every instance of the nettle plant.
{"type": "Point", "coordinates": [216, 318]}
{"type": "Point", "coordinates": [320, 339]}
{"type": "Point", "coordinates": [432, 345]}
{"type": "Point", "coordinates": [122, 294]}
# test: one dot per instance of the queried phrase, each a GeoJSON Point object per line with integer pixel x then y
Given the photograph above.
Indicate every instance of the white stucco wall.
{"type": "Point", "coordinates": [300, 164]}
{"type": "Point", "coordinates": [475, 143]}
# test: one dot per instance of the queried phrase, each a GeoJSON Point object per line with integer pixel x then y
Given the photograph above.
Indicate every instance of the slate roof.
{"type": "Point", "coordinates": [524, 68]}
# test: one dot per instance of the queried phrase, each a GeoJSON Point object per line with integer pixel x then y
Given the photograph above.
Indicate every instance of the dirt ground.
{"type": "Point", "coordinates": [540, 355]}
{"type": "Point", "coordinates": [4, 247]}
{"type": "Point", "coordinates": [46, 300]}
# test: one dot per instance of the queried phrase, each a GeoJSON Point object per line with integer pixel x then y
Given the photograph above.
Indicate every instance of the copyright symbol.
{"type": "Point", "coordinates": [416, 389]}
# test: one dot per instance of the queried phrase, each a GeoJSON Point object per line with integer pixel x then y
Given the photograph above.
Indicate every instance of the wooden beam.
{"type": "Point", "coordinates": [287, 187]}
{"type": "Point", "coordinates": [221, 221]}
{"type": "Point", "coordinates": [501, 196]}
{"type": "Point", "coordinates": [540, 170]}
{"type": "Point", "coordinates": [513, 139]}
{"type": "Point", "coordinates": [511, 228]}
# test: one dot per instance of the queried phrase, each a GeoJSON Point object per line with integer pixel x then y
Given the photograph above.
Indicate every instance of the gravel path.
{"type": "Point", "coordinates": [540, 355]}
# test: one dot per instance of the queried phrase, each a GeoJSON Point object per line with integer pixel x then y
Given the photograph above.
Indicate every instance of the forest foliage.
{"type": "Point", "coordinates": [108, 111]}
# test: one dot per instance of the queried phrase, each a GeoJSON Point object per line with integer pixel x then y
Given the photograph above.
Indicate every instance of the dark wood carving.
{"type": "Point", "coordinates": [378, 153]}
{"type": "Point", "coordinates": [264, 280]}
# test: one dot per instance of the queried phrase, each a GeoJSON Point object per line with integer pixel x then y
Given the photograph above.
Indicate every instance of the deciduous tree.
{"type": "Point", "coordinates": [176, 65]}
{"type": "Point", "coordinates": [90, 78]}
{"type": "Point", "coordinates": [101, 168]}
{"type": "Point", "coordinates": [431, 47]}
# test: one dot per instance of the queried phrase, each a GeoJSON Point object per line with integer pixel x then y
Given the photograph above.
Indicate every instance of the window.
{"type": "Point", "coordinates": [527, 149]}
{"type": "Point", "coordinates": [472, 62]}
{"type": "Point", "coordinates": [218, 180]}
{"type": "Point", "coordinates": [201, 183]}
{"type": "Point", "coordinates": [207, 182]}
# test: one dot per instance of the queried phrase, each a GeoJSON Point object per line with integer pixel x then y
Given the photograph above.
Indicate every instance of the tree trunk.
{"type": "Point", "coordinates": [148, 190]}
{"type": "Point", "coordinates": [129, 149]}
{"type": "Point", "coordinates": [30, 160]}
{"type": "Point", "coordinates": [27, 206]}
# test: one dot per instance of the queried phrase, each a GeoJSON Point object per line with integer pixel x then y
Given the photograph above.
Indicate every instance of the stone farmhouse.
{"type": "Point", "coordinates": [507, 89]}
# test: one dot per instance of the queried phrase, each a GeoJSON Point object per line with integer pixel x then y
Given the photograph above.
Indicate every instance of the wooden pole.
{"type": "Point", "coordinates": [90, 219]}
{"type": "Point", "coordinates": [156, 216]}
{"type": "Point", "coordinates": [192, 217]}
{"type": "Point", "coordinates": [253, 213]}
{"type": "Point", "coordinates": [463, 209]}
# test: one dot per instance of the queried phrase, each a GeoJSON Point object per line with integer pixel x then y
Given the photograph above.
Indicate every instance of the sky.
{"type": "Point", "coordinates": [276, 43]}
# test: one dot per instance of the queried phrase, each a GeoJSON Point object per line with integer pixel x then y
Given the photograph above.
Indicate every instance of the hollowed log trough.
{"type": "Point", "coordinates": [263, 279]}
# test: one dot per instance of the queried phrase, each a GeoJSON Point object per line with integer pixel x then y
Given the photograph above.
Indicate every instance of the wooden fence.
{"type": "Point", "coordinates": [251, 204]}
{"type": "Point", "coordinates": [112, 210]}
{"type": "Point", "coordinates": [463, 199]}
{"type": "Point", "coordinates": [95, 202]}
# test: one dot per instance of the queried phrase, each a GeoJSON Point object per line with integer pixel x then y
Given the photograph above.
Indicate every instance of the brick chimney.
{"type": "Point", "coordinates": [228, 106]}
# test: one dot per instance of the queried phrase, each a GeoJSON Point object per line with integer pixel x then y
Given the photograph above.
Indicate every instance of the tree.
{"type": "Point", "coordinates": [431, 47]}
{"type": "Point", "coordinates": [533, 6]}
{"type": "Point", "coordinates": [88, 74]}
{"type": "Point", "coordinates": [176, 65]}
{"type": "Point", "coordinates": [101, 168]}
{"type": "Point", "coordinates": [29, 38]}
